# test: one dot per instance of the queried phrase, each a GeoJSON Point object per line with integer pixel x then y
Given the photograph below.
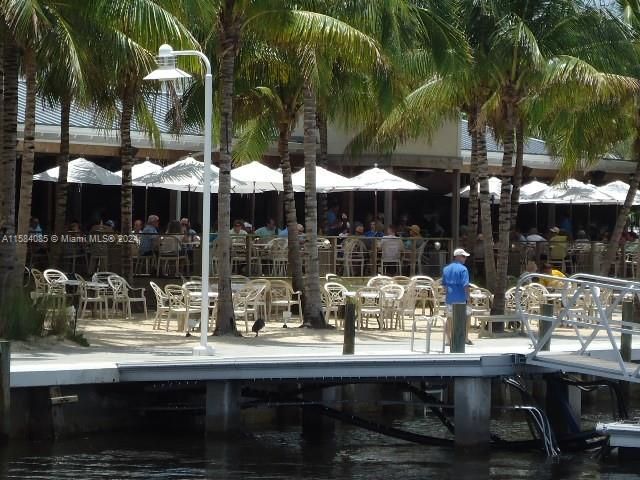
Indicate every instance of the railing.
{"type": "Point", "coordinates": [586, 302]}
{"type": "Point", "coordinates": [254, 256]}
{"type": "Point", "coordinates": [577, 256]}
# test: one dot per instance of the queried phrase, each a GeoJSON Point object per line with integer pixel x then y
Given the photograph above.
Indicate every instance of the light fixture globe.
{"type": "Point", "coordinates": [167, 69]}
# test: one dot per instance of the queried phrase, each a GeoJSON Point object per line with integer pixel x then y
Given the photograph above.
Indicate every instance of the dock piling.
{"type": "Point", "coordinates": [472, 403]}
{"type": "Point", "coordinates": [348, 346]}
{"type": "Point", "coordinates": [5, 388]}
{"type": "Point", "coordinates": [222, 407]}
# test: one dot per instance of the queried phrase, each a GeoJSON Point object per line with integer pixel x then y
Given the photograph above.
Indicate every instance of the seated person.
{"type": "Point", "coordinates": [149, 237]}
{"type": "Point", "coordinates": [548, 269]}
{"type": "Point", "coordinates": [391, 246]}
{"type": "Point", "coordinates": [375, 230]}
{"type": "Point", "coordinates": [415, 237]}
{"type": "Point", "coordinates": [238, 228]}
{"type": "Point", "coordinates": [269, 230]}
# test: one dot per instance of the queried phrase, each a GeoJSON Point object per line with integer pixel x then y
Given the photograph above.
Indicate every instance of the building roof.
{"type": "Point", "coordinates": [532, 146]}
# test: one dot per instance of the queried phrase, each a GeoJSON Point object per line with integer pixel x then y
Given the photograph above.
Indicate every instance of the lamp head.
{"type": "Point", "coordinates": [167, 69]}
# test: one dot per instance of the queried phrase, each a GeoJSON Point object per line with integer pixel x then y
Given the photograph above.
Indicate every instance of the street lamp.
{"type": "Point", "coordinates": [168, 71]}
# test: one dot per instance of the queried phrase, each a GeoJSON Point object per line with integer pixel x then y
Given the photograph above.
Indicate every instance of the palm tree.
{"type": "Point", "coordinates": [61, 83]}
{"type": "Point", "coordinates": [10, 275]}
{"type": "Point", "coordinates": [27, 22]}
{"type": "Point", "coordinates": [129, 34]}
{"type": "Point", "coordinates": [240, 23]}
{"type": "Point", "coordinates": [529, 42]}
{"type": "Point", "coordinates": [312, 301]}
{"type": "Point", "coordinates": [444, 89]}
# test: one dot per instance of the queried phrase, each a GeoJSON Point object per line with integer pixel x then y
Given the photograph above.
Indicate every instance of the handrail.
{"type": "Point", "coordinates": [599, 317]}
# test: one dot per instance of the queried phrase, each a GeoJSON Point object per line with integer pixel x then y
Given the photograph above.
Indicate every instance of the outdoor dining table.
{"type": "Point", "coordinates": [388, 302]}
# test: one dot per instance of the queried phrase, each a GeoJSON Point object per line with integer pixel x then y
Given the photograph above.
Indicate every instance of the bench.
{"type": "Point", "coordinates": [487, 321]}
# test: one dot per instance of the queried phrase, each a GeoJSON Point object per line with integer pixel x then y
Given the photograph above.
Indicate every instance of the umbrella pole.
{"type": "Point", "coordinates": [253, 206]}
{"type": "Point", "coordinates": [189, 202]}
{"type": "Point", "coordinates": [375, 206]}
{"type": "Point", "coordinates": [146, 202]}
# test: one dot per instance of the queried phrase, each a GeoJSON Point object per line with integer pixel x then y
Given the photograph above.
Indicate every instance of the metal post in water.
{"type": "Point", "coordinates": [625, 344]}
{"type": "Point", "coordinates": [5, 388]}
{"type": "Point", "coordinates": [546, 310]}
{"type": "Point", "coordinates": [458, 327]}
{"type": "Point", "coordinates": [348, 346]}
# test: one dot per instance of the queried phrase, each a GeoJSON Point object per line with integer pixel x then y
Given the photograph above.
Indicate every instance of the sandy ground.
{"type": "Point", "coordinates": [115, 336]}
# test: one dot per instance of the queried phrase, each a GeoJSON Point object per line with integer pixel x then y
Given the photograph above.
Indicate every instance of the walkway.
{"type": "Point", "coordinates": [119, 346]}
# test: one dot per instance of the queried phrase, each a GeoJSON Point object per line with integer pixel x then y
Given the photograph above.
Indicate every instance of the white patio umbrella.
{"type": "Point", "coordinates": [495, 184]}
{"type": "Point", "coordinates": [378, 180]}
{"type": "Point", "coordinates": [81, 171]}
{"type": "Point", "coordinates": [571, 192]}
{"type": "Point", "coordinates": [186, 175]}
{"type": "Point", "coordinates": [532, 188]}
{"type": "Point", "coordinates": [619, 190]}
{"type": "Point", "coordinates": [326, 181]}
{"type": "Point", "coordinates": [140, 170]}
{"type": "Point", "coordinates": [261, 178]}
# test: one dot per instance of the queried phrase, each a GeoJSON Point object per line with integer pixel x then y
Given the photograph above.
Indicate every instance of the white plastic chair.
{"type": "Point", "coordinates": [162, 306]}
{"type": "Point", "coordinates": [369, 305]}
{"type": "Point", "coordinates": [120, 295]}
{"type": "Point", "coordinates": [284, 297]}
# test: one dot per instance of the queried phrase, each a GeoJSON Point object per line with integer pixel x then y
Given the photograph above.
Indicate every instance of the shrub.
{"type": "Point", "coordinates": [19, 318]}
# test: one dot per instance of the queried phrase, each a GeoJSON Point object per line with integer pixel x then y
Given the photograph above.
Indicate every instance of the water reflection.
{"type": "Point", "coordinates": [284, 453]}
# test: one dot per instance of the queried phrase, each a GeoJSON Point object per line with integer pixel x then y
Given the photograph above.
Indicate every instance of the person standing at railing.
{"type": "Point", "coordinates": [455, 280]}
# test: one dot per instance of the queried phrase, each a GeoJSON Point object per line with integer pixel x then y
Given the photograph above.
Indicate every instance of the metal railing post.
{"type": "Point", "coordinates": [546, 310]}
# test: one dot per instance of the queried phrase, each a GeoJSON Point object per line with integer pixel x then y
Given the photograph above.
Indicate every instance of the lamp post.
{"type": "Point", "coordinates": [167, 71]}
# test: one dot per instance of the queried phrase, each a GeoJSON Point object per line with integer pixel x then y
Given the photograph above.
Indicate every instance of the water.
{"type": "Point", "coordinates": [353, 454]}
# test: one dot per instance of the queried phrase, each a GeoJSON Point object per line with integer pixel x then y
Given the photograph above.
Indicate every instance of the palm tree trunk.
{"type": "Point", "coordinates": [623, 213]}
{"type": "Point", "coordinates": [472, 215]}
{"type": "Point", "coordinates": [480, 131]}
{"type": "Point", "coordinates": [229, 41]}
{"type": "Point", "coordinates": [295, 262]}
{"type": "Point", "coordinates": [63, 168]}
{"type": "Point", "coordinates": [28, 152]}
{"type": "Point", "coordinates": [323, 161]}
{"type": "Point", "coordinates": [505, 212]}
{"type": "Point", "coordinates": [517, 174]}
{"type": "Point", "coordinates": [313, 316]}
{"type": "Point", "coordinates": [9, 273]}
{"type": "Point", "coordinates": [126, 162]}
